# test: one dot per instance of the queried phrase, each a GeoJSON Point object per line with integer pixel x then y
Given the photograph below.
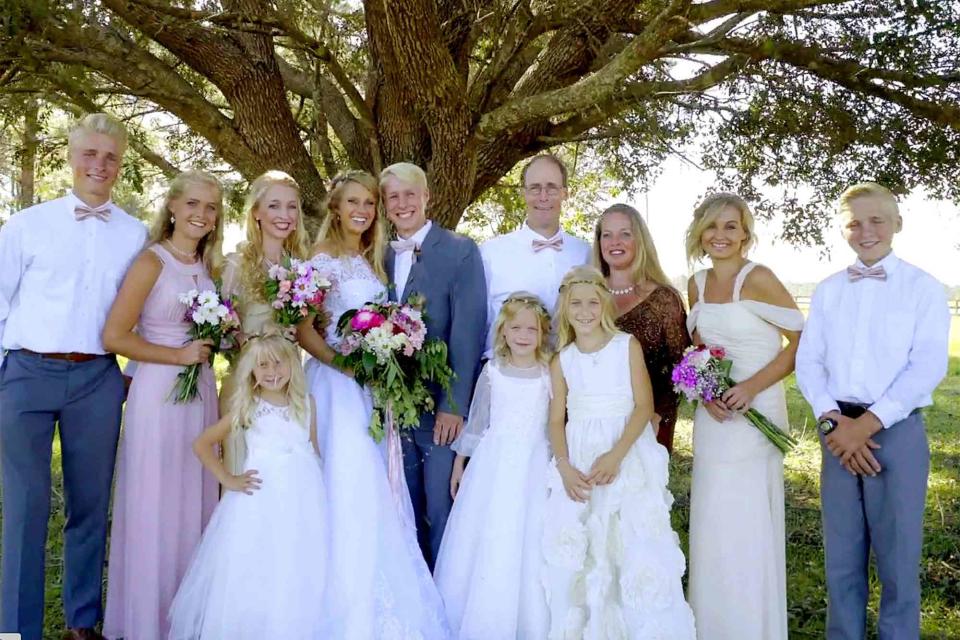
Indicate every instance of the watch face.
{"type": "Point", "coordinates": [826, 425]}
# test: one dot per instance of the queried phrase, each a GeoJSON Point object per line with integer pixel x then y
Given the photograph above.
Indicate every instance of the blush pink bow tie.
{"type": "Point", "coordinates": [401, 246]}
{"type": "Point", "coordinates": [856, 273]}
{"type": "Point", "coordinates": [554, 243]}
{"type": "Point", "coordinates": [82, 212]}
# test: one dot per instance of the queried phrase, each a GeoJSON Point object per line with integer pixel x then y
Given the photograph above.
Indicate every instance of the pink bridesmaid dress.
{"type": "Point", "coordinates": [163, 496]}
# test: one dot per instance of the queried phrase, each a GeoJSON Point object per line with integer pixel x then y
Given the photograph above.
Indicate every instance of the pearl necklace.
{"type": "Point", "coordinates": [182, 254]}
{"type": "Point", "coordinates": [622, 292]}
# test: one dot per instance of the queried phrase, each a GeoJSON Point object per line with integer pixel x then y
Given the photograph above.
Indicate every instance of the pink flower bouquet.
{"type": "Point", "coordinates": [704, 374]}
{"type": "Point", "coordinates": [386, 347]}
{"type": "Point", "coordinates": [295, 289]}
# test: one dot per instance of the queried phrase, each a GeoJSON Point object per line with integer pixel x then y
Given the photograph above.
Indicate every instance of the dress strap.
{"type": "Point", "coordinates": [160, 252]}
{"type": "Point", "coordinates": [700, 278]}
{"type": "Point", "coordinates": [741, 277]}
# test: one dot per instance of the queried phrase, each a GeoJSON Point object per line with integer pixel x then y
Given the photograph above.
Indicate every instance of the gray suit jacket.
{"type": "Point", "coordinates": [448, 272]}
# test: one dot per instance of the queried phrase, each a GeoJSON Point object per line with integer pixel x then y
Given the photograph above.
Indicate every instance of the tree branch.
{"type": "Point", "coordinates": [595, 88]}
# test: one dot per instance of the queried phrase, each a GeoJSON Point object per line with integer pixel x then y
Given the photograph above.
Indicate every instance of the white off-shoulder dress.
{"type": "Point", "coordinates": [737, 545]}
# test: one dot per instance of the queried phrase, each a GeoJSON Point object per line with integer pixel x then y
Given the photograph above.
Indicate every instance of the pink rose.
{"type": "Point", "coordinates": [718, 352]}
{"type": "Point", "coordinates": [366, 320]}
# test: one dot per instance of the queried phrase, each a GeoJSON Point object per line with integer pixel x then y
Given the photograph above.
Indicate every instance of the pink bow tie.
{"type": "Point", "coordinates": [856, 273]}
{"type": "Point", "coordinates": [555, 243]}
{"type": "Point", "coordinates": [402, 246]}
{"type": "Point", "coordinates": [82, 212]}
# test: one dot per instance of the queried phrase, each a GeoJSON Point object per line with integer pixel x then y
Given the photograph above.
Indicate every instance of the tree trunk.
{"type": "Point", "coordinates": [28, 154]}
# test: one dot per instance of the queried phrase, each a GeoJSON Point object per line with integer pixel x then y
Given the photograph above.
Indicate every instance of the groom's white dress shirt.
{"type": "Point", "coordinates": [511, 264]}
{"type": "Point", "coordinates": [877, 342]}
{"type": "Point", "coordinates": [59, 275]}
{"type": "Point", "coordinates": [403, 260]}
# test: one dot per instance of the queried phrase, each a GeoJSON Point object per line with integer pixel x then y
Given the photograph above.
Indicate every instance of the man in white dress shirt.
{"type": "Point", "coordinates": [61, 264]}
{"type": "Point", "coordinates": [536, 256]}
{"type": "Point", "coordinates": [872, 353]}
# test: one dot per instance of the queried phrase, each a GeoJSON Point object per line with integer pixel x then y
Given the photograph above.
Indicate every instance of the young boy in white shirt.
{"type": "Point", "coordinates": [873, 350]}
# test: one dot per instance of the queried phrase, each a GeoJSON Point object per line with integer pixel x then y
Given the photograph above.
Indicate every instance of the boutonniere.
{"type": "Point", "coordinates": [416, 254]}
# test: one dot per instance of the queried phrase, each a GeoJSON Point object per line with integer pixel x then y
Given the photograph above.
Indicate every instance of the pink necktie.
{"type": "Point", "coordinates": [82, 212]}
{"type": "Point", "coordinates": [856, 273]}
{"type": "Point", "coordinates": [555, 243]}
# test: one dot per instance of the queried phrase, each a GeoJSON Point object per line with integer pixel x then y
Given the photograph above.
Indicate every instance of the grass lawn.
{"type": "Point", "coordinates": [805, 582]}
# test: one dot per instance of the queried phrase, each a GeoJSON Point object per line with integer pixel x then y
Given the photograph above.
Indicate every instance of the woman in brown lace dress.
{"type": "Point", "coordinates": [650, 308]}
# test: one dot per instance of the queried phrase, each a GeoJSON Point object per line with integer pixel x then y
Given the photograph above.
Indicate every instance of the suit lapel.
{"type": "Point", "coordinates": [417, 269]}
{"type": "Point", "coordinates": [389, 260]}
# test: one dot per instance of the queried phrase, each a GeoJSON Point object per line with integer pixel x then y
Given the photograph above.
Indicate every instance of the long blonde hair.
{"type": "Point", "coordinates": [517, 301]}
{"type": "Point", "coordinates": [591, 276]}
{"type": "Point", "coordinates": [646, 263]}
{"type": "Point", "coordinates": [296, 245]}
{"type": "Point", "coordinates": [210, 247]}
{"type": "Point", "coordinates": [268, 348]}
{"type": "Point", "coordinates": [373, 242]}
{"type": "Point", "coordinates": [706, 213]}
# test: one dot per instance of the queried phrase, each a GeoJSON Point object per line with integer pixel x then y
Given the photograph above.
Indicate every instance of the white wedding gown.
{"type": "Point", "coordinates": [379, 586]}
{"type": "Point", "coordinates": [737, 547]}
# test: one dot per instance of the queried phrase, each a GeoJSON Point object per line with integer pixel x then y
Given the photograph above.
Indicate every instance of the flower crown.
{"type": "Point", "coordinates": [601, 285]}
{"type": "Point", "coordinates": [528, 299]}
{"type": "Point", "coordinates": [344, 176]}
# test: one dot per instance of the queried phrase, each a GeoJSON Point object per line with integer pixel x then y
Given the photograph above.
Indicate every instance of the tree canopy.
{"type": "Point", "coordinates": [772, 95]}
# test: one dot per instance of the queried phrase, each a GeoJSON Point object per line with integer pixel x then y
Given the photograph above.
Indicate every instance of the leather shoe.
{"type": "Point", "coordinates": [82, 634]}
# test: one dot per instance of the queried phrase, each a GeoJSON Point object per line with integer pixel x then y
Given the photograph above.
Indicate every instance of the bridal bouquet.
{"type": "Point", "coordinates": [295, 289]}
{"type": "Point", "coordinates": [211, 318]}
{"type": "Point", "coordinates": [704, 374]}
{"type": "Point", "coordinates": [386, 347]}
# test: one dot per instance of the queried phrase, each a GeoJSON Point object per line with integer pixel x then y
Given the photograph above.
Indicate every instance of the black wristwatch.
{"type": "Point", "coordinates": [826, 425]}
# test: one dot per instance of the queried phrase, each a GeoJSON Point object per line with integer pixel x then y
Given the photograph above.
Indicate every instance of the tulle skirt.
{"type": "Point", "coordinates": [489, 567]}
{"type": "Point", "coordinates": [261, 569]}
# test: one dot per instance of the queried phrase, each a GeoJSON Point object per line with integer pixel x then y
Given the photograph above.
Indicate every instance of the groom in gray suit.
{"type": "Point", "coordinates": [445, 267]}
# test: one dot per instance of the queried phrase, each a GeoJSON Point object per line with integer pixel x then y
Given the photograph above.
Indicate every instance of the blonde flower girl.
{"type": "Point", "coordinates": [613, 563]}
{"type": "Point", "coordinates": [259, 571]}
{"type": "Point", "coordinates": [489, 567]}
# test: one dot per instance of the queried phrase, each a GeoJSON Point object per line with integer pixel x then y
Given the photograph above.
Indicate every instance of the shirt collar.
{"type": "Point", "coordinates": [889, 263]}
{"type": "Point", "coordinates": [421, 234]}
{"type": "Point", "coordinates": [529, 234]}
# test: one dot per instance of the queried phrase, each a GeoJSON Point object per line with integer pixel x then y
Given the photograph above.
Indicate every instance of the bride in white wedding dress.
{"type": "Point", "coordinates": [379, 585]}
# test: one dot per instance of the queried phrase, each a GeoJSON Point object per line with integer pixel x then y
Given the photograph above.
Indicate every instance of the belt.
{"type": "Point", "coordinates": [69, 357]}
{"type": "Point", "coordinates": [856, 409]}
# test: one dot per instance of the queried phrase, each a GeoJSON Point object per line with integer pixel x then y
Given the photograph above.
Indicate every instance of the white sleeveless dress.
{"type": "Point", "coordinates": [489, 566]}
{"type": "Point", "coordinates": [613, 564]}
{"type": "Point", "coordinates": [737, 546]}
{"type": "Point", "coordinates": [258, 571]}
{"type": "Point", "coordinates": [380, 585]}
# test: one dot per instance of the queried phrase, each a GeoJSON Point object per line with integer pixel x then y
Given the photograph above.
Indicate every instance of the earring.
{"type": "Point", "coordinates": [171, 220]}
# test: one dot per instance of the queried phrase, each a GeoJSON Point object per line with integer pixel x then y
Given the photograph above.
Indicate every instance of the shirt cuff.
{"type": "Point", "coordinates": [823, 405]}
{"type": "Point", "coordinates": [888, 411]}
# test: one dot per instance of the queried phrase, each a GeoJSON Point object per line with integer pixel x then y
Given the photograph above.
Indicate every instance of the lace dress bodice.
{"type": "Point", "coordinates": [354, 284]}
{"type": "Point", "coordinates": [507, 401]}
{"type": "Point", "coordinates": [274, 429]}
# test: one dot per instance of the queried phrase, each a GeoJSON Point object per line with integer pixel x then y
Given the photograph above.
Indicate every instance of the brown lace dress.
{"type": "Point", "coordinates": [659, 323]}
